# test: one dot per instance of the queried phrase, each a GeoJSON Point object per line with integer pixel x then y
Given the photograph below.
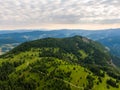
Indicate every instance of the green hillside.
{"type": "Point", "coordinates": [74, 63]}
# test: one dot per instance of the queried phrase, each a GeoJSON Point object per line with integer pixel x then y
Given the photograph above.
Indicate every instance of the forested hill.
{"type": "Point", "coordinates": [73, 63]}
{"type": "Point", "coordinates": [108, 37]}
{"type": "Point", "coordinates": [76, 45]}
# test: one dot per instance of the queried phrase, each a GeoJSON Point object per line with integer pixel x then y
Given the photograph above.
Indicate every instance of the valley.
{"type": "Point", "coordinates": [7, 47]}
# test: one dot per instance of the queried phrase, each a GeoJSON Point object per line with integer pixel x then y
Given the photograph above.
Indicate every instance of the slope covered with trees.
{"type": "Point", "coordinates": [108, 37]}
{"type": "Point", "coordinates": [74, 63]}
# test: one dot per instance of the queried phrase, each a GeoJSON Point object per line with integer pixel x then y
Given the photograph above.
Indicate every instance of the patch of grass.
{"type": "Point", "coordinates": [83, 54]}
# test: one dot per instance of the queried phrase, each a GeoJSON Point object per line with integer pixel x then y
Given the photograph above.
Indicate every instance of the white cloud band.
{"type": "Point", "coordinates": [25, 12]}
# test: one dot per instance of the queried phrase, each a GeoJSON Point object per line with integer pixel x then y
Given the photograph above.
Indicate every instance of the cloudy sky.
{"type": "Point", "coordinates": [57, 14]}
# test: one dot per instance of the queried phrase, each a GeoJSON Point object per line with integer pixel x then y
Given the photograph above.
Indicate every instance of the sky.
{"type": "Point", "coordinates": [59, 14]}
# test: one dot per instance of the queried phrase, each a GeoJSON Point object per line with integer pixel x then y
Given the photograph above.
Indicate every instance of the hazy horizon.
{"type": "Point", "coordinates": [43, 29]}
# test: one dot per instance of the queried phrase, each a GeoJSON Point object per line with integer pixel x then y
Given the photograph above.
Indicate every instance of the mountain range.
{"type": "Point", "coordinates": [109, 38]}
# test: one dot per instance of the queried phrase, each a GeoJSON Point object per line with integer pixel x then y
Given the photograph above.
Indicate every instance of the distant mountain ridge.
{"type": "Point", "coordinates": [13, 31]}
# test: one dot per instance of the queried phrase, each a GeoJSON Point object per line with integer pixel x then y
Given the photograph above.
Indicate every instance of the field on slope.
{"type": "Point", "coordinates": [31, 71]}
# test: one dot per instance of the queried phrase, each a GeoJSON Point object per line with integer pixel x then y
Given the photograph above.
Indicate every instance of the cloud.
{"type": "Point", "coordinates": [27, 12]}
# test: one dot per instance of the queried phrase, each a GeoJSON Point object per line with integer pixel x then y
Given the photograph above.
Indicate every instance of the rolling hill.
{"type": "Point", "coordinates": [72, 63]}
{"type": "Point", "coordinates": [109, 38]}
